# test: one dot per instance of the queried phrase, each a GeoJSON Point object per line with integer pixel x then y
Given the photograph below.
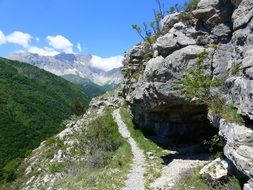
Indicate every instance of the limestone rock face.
{"type": "Point", "coordinates": [238, 148]}
{"type": "Point", "coordinates": [243, 14]}
{"type": "Point", "coordinates": [224, 29]}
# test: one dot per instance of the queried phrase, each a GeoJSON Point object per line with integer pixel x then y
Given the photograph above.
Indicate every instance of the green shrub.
{"type": "Point", "coordinates": [149, 32]}
{"type": "Point", "coordinates": [9, 170]}
{"type": "Point", "coordinates": [191, 5]}
{"type": "Point", "coordinates": [78, 107]}
{"type": "Point", "coordinates": [215, 143]}
{"type": "Point", "coordinates": [219, 107]}
{"type": "Point", "coordinates": [55, 167]}
{"type": "Point", "coordinates": [99, 140]}
{"type": "Point", "coordinates": [52, 144]}
{"type": "Point", "coordinates": [235, 69]}
{"type": "Point", "coordinates": [107, 157]}
{"type": "Point", "coordinates": [198, 83]}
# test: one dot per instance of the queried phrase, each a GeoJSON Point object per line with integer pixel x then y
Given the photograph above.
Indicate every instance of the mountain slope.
{"type": "Point", "coordinates": [33, 104]}
{"type": "Point", "coordinates": [87, 86]}
{"type": "Point", "coordinates": [65, 64]}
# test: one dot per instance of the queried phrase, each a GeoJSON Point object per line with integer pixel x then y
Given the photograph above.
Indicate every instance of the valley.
{"type": "Point", "coordinates": [33, 105]}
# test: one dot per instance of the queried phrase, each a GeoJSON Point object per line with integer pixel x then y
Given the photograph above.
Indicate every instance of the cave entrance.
{"type": "Point", "coordinates": [179, 128]}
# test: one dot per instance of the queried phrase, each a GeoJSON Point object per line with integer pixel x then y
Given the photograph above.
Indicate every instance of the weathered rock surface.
{"type": "Point", "coordinates": [217, 170]}
{"type": "Point", "coordinates": [224, 29]}
{"type": "Point", "coordinates": [238, 148]}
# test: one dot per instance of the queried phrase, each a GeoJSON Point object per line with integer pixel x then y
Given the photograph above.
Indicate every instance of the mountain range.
{"type": "Point", "coordinates": [71, 64]}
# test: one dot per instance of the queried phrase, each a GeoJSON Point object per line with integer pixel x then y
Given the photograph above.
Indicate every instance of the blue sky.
{"type": "Point", "coordinates": [100, 27]}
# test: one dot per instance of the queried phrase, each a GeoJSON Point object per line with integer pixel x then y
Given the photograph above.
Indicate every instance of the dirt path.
{"type": "Point", "coordinates": [135, 179]}
{"type": "Point", "coordinates": [173, 172]}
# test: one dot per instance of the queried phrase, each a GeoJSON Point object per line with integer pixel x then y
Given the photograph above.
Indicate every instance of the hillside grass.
{"type": "Point", "coordinates": [196, 182]}
{"type": "Point", "coordinates": [108, 157]}
{"type": "Point", "coordinates": [33, 104]}
{"type": "Point", "coordinates": [153, 165]}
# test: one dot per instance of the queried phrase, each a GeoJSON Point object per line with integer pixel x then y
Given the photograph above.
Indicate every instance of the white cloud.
{"type": "Point", "coordinates": [106, 63]}
{"type": "Point", "coordinates": [46, 51]}
{"type": "Point", "coordinates": [19, 38]}
{"type": "Point", "coordinates": [79, 47]}
{"type": "Point", "coordinates": [2, 38]}
{"type": "Point", "coordinates": [59, 42]}
{"type": "Point", "coordinates": [37, 39]}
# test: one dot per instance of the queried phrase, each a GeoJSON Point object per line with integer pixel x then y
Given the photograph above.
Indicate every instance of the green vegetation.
{"type": "Point", "coordinates": [196, 182]}
{"type": "Point", "coordinates": [149, 32]}
{"type": "Point", "coordinates": [77, 108]}
{"type": "Point", "coordinates": [9, 170]}
{"type": "Point", "coordinates": [33, 104]}
{"type": "Point", "coordinates": [225, 110]}
{"type": "Point", "coordinates": [191, 5]}
{"type": "Point", "coordinates": [235, 69]}
{"type": "Point", "coordinates": [88, 87]}
{"type": "Point", "coordinates": [198, 83]}
{"type": "Point", "coordinates": [153, 166]}
{"type": "Point", "coordinates": [99, 159]}
{"type": "Point", "coordinates": [215, 144]}
{"type": "Point", "coordinates": [108, 157]}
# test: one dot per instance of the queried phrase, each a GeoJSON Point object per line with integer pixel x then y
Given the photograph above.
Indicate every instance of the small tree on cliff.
{"type": "Point", "coordinates": [77, 108]}
{"type": "Point", "coordinates": [198, 83]}
{"type": "Point", "coordinates": [150, 31]}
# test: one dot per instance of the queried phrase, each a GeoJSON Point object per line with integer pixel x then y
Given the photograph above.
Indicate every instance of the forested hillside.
{"type": "Point", "coordinates": [33, 104]}
{"type": "Point", "coordinates": [87, 86]}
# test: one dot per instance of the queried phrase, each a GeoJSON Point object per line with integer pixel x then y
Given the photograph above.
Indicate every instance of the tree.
{"type": "Point", "coordinates": [77, 108]}
{"type": "Point", "coordinates": [148, 30]}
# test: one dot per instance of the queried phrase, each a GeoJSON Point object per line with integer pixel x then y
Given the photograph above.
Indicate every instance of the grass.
{"type": "Point", "coordinates": [108, 161]}
{"type": "Point", "coordinates": [225, 111]}
{"type": "Point", "coordinates": [153, 166]}
{"type": "Point", "coordinates": [110, 177]}
{"type": "Point", "coordinates": [196, 182]}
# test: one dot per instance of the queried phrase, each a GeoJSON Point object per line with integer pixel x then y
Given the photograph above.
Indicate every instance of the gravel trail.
{"type": "Point", "coordinates": [173, 172]}
{"type": "Point", "coordinates": [135, 179]}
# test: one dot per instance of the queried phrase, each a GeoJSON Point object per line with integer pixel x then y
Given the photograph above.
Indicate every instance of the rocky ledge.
{"type": "Point", "coordinates": [223, 29]}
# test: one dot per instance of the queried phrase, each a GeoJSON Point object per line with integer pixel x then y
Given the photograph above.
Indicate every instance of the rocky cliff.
{"type": "Point", "coordinates": [223, 29]}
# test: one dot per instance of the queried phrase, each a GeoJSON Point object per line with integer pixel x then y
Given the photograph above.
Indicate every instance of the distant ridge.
{"type": "Point", "coordinates": [75, 64]}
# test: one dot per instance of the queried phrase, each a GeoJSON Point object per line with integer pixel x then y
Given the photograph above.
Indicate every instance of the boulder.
{"type": "Point", "coordinates": [217, 170]}
{"type": "Point", "coordinates": [238, 148]}
{"type": "Point", "coordinates": [243, 14]}
{"type": "Point", "coordinates": [240, 90]}
{"type": "Point", "coordinates": [203, 4]}
{"type": "Point", "coordinates": [249, 185]}
{"type": "Point", "coordinates": [221, 30]}
{"type": "Point", "coordinates": [212, 13]}
{"type": "Point", "coordinates": [168, 21]}
{"type": "Point", "coordinates": [138, 51]}
{"type": "Point", "coordinates": [166, 44]}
